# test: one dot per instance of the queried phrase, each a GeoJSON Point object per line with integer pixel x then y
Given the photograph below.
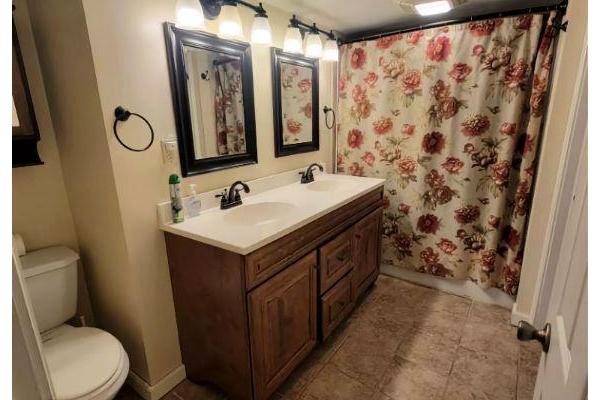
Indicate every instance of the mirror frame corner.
{"type": "Point", "coordinates": [277, 57]}
{"type": "Point", "coordinates": [175, 39]}
{"type": "Point", "coordinates": [24, 138]}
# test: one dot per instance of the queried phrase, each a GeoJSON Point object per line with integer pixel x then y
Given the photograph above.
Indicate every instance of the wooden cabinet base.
{"type": "Point", "coordinates": [245, 322]}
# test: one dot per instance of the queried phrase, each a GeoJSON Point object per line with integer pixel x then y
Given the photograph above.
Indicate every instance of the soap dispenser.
{"type": "Point", "coordinates": [193, 204]}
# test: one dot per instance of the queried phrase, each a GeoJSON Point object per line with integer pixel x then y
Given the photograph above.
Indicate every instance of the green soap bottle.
{"type": "Point", "coordinates": [176, 204]}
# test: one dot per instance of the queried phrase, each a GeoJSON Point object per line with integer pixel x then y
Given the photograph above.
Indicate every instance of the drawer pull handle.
{"type": "Point", "coordinates": [343, 255]}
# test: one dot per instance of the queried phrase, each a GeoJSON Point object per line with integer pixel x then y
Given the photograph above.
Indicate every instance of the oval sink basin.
{"type": "Point", "coordinates": [259, 213]}
{"type": "Point", "coordinates": [327, 185]}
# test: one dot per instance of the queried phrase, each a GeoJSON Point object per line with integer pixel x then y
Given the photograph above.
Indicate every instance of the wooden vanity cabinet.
{"type": "Point", "coordinates": [246, 321]}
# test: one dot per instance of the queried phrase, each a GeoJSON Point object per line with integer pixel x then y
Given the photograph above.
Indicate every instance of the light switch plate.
{"type": "Point", "coordinates": [169, 150]}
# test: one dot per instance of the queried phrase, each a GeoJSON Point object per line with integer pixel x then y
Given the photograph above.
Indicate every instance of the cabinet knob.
{"type": "Point", "coordinates": [343, 255]}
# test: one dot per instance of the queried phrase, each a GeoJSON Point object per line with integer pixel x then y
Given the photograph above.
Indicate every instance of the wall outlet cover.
{"type": "Point", "coordinates": [169, 150]}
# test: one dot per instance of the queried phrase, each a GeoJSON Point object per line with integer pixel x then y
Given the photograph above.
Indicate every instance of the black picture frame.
{"type": "Point", "coordinates": [26, 136]}
{"type": "Point", "coordinates": [278, 56]}
{"type": "Point", "coordinates": [176, 39]}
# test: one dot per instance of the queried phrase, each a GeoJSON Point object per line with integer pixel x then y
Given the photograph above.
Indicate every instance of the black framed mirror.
{"type": "Point", "coordinates": [295, 103]}
{"type": "Point", "coordinates": [213, 99]}
{"type": "Point", "coordinates": [25, 132]}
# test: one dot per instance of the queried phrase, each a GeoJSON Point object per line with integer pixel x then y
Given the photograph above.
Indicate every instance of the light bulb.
{"type": "Point", "coordinates": [292, 43]}
{"type": "Point", "coordinates": [313, 46]}
{"type": "Point", "coordinates": [330, 50]}
{"type": "Point", "coordinates": [230, 25]}
{"type": "Point", "coordinates": [434, 7]}
{"type": "Point", "coordinates": [261, 30]}
{"type": "Point", "coordinates": [189, 15]}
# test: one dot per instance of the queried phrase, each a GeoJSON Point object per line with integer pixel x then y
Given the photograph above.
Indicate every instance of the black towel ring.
{"type": "Point", "coordinates": [121, 114]}
{"type": "Point", "coordinates": [326, 111]}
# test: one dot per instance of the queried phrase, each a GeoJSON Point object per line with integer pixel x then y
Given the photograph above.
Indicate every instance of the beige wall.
{"type": "Point", "coordinates": [101, 54]}
{"type": "Point", "coordinates": [40, 205]}
{"type": "Point", "coordinates": [65, 58]}
{"type": "Point", "coordinates": [553, 147]}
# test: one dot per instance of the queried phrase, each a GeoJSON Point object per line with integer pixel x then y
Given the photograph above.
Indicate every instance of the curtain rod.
{"type": "Point", "coordinates": [368, 35]}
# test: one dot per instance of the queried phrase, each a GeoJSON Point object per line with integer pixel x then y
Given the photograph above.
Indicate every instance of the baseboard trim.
{"type": "Point", "coordinates": [459, 288]}
{"type": "Point", "coordinates": [161, 388]}
{"type": "Point", "coordinates": [517, 316]}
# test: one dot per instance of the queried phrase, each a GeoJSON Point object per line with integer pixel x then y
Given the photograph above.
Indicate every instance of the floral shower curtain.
{"type": "Point", "coordinates": [450, 117]}
{"type": "Point", "coordinates": [229, 108]}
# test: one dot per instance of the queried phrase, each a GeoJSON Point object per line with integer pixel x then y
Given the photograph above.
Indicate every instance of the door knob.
{"type": "Point", "coordinates": [527, 332]}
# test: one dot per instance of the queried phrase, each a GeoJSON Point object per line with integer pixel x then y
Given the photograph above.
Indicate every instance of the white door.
{"type": "Point", "coordinates": [562, 373]}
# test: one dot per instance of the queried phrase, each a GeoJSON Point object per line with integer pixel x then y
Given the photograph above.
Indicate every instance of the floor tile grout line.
{"type": "Point", "coordinates": [324, 364]}
{"type": "Point", "coordinates": [457, 349]}
{"type": "Point", "coordinates": [518, 373]}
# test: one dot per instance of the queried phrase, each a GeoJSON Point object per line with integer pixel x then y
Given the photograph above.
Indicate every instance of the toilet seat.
{"type": "Point", "coordinates": [84, 363]}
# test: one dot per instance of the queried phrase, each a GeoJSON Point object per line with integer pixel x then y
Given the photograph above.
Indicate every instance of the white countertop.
{"type": "Point", "coordinates": [273, 213]}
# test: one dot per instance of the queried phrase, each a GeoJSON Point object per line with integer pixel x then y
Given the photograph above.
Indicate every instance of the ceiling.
{"type": "Point", "coordinates": [349, 17]}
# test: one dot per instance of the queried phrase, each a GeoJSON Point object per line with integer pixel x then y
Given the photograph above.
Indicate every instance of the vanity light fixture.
{"type": "Point", "coordinates": [433, 7]}
{"type": "Point", "coordinates": [230, 27]}
{"type": "Point", "coordinates": [313, 47]}
{"type": "Point", "coordinates": [189, 15]}
{"type": "Point", "coordinates": [261, 30]}
{"type": "Point", "coordinates": [292, 43]}
{"type": "Point", "coordinates": [230, 24]}
{"type": "Point", "coordinates": [330, 50]}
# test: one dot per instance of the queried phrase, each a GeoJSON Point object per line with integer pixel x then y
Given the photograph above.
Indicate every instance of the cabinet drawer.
{"type": "Point", "coordinates": [335, 260]}
{"type": "Point", "coordinates": [335, 305]}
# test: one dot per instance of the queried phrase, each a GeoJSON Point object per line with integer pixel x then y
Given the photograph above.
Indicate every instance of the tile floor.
{"type": "Point", "coordinates": [408, 342]}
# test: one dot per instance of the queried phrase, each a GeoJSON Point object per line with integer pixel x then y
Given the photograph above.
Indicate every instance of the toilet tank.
{"type": "Point", "coordinates": [51, 282]}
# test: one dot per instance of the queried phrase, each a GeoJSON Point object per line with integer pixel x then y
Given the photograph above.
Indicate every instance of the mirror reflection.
{"type": "Point", "coordinates": [296, 103]}
{"type": "Point", "coordinates": [15, 115]}
{"type": "Point", "coordinates": [214, 85]}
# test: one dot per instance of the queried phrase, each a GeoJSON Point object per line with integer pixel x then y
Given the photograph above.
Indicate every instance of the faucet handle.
{"type": "Point", "coordinates": [223, 196]}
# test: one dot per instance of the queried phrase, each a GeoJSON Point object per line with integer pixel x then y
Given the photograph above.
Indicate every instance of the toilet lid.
{"type": "Point", "coordinates": [80, 360]}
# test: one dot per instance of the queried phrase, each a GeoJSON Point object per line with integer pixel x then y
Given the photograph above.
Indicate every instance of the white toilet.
{"type": "Point", "coordinates": [84, 363]}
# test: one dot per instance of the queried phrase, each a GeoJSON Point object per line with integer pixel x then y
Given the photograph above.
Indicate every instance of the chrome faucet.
{"type": "Point", "coordinates": [307, 176]}
{"type": "Point", "coordinates": [232, 197]}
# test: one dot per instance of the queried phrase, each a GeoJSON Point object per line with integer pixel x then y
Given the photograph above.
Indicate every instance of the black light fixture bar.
{"type": "Point", "coordinates": [259, 10]}
{"type": "Point", "coordinates": [376, 34]}
{"type": "Point", "coordinates": [304, 27]}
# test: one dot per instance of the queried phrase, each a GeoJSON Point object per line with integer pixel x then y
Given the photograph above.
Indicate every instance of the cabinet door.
{"type": "Point", "coordinates": [367, 247]}
{"type": "Point", "coordinates": [283, 323]}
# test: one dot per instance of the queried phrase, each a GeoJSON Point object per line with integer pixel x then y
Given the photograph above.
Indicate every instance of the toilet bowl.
{"type": "Point", "coordinates": [84, 363]}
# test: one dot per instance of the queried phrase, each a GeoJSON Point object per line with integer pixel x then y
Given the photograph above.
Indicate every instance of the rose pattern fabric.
{"type": "Point", "coordinates": [450, 117]}
{"type": "Point", "coordinates": [229, 108]}
{"type": "Point", "coordinates": [296, 103]}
